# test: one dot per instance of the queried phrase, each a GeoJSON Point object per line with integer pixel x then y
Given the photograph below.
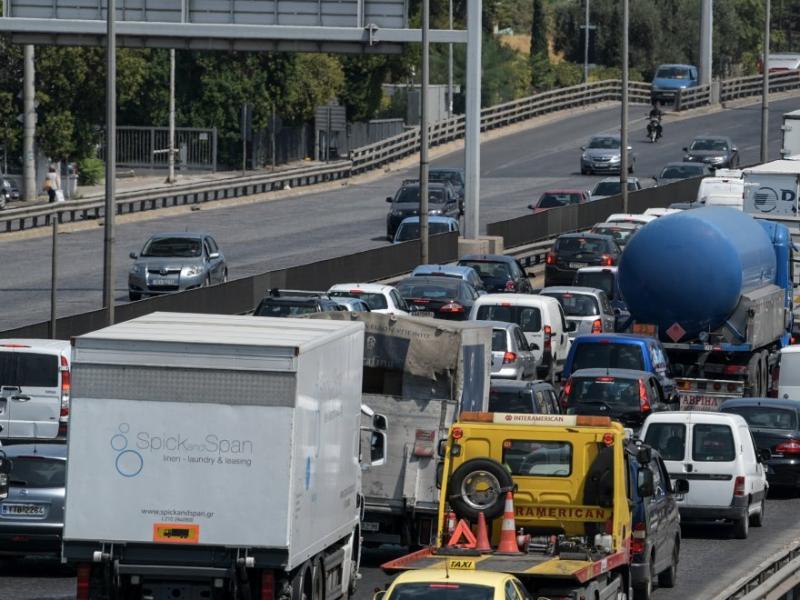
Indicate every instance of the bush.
{"type": "Point", "coordinates": [90, 171]}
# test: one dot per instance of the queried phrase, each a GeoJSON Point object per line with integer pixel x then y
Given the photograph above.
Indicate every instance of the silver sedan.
{"type": "Point", "coordinates": [174, 262]}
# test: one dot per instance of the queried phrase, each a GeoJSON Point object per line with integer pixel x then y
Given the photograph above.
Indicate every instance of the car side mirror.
{"type": "Point", "coordinates": [685, 149]}
{"type": "Point", "coordinates": [379, 595]}
{"type": "Point", "coordinates": [379, 422]}
{"type": "Point", "coordinates": [645, 484]}
{"type": "Point", "coordinates": [681, 486]}
{"type": "Point", "coordinates": [734, 149]}
{"type": "Point", "coordinates": [530, 206]}
{"type": "Point", "coordinates": [5, 471]}
{"type": "Point", "coordinates": [377, 449]}
{"type": "Point", "coordinates": [764, 454]}
{"type": "Point", "coordinates": [441, 448]}
{"type": "Point", "coordinates": [583, 147]}
{"type": "Point", "coordinates": [388, 198]}
{"type": "Point", "coordinates": [213, 255]}
{"type": "Point", "coordinates": [644, 455]}
{"type": "Point", "coordinates": [133, 255]}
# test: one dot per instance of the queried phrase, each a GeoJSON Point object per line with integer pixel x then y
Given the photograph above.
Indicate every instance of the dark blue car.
{"type": "Point", "coordinates": [622, 351]}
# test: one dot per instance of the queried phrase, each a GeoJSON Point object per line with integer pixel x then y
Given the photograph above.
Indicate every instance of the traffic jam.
{"type": "Point", "coordinates": [506, 428]}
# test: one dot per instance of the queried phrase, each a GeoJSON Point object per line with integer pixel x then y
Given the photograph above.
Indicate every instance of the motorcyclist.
{"type": "Point", "coordinates": [655, 119]}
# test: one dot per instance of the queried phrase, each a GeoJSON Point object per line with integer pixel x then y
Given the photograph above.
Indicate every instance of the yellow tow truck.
{"type": "Point", "coordinates": [569, 479]}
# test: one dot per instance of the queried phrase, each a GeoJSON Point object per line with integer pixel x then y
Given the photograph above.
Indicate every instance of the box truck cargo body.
{"type": "Point", "coordinates": [225, 447]}
{"type": "Point", "coordinates": [771, 189]}
{"type": "Point", "coordinates": [791, 134]}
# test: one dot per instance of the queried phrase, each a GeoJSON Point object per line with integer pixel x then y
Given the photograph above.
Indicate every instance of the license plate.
{"type": "Point", "coordinates": [370, 526]}
{"type": "Point", "coordinates": [164, 282]}
{"type": "Point", "coordinates": [701, 402]}
{"type": "Point", "coordinates": [27, 510]}
{"type": "Point", "coordinates": [577, 265]}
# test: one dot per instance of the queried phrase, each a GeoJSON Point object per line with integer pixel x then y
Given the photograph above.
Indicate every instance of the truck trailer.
{"type": "Point", "coordinates": [715, 285]}
{"type": "Point", "coordinates": [216, 457]}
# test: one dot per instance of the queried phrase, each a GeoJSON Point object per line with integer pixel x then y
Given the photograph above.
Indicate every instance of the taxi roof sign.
{"type": "Point", "coordinates": [535, 419]}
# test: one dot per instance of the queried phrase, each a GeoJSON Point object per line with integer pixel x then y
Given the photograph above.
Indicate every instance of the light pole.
{"type": "Point", "coordinates": [423, 138]}
{"type": "Point", "coordinates": [472, 122]}
{"type": "Point", "coordinates": [765, 84]}
{"type": "Point", "coordinates": [111, 160]}
{"type": "Point", "coordinates": [623, 142]}
{"type": "Point", "coordinates": [450, 69]}
{"type": "Point", "coordinates": [586, 46]}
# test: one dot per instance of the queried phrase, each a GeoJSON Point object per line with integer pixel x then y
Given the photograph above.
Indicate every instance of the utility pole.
{"type": "Point", "coordinates": [586, 46]}
{"type": "Point", "coordinates": [111, 160]}
{"type": "Point", "coordinates": [423, 138]}
{"type": "Point", "coordinates": [706, 36]}
{"type": "Point", "coordinates": [472, 122]}
{"type": "Point", "coordinates": [765, 88]}
{"type": "Point", "coordinates": [171, 160]}
{"type": "Point", "coordinates": [54, 276]}
{"type": "Point", "coordinates": [623, 142]}
{"type": "Point", "coordinates": [28, 124]}
{"type": "Point", "coordinates": [450, 70]}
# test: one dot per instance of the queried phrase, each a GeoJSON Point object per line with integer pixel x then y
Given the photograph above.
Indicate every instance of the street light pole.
{"type": "Point", "coordinates": [111, 160]}
{"type": "Point", "coordinates": [423, 138]}
{"type": "Point", "coordinates": [765, 88]}
{"type": "Point", "coordinates": [472, 122]}
{"type": "Point", "coordinates": [450, 69]}
{"type": "Point", "coordinates": [586, 46]}
{"type": "Point", "coordinates": [623, 142]}
{"type": "Point", "coordinates": [171, 161]}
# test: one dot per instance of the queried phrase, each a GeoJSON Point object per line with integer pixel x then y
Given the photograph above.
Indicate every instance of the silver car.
{"type": "Point", "coordinates": [603, 155]}
{"type": "Point", "coordinates": [512, 357]}
{"type": "Point", "coordinates": [32, 517]}
{"type": "Point", "coordinates": [174, 262]}
{"type": "Point", "coordinates": [587, 309]}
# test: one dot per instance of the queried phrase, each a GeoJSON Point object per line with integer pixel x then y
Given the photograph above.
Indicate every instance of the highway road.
{"type": "Point", "coordinates": [290, 231]}
{"type": "Point", "coordinates": [710, 560]}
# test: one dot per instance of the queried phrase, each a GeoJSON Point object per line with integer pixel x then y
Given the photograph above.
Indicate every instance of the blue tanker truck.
{"type": "Point", "coordinates": [715, 285]}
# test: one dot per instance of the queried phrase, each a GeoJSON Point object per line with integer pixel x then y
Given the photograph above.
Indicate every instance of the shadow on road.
{"type": "Point", "coordinates": [47, 568]}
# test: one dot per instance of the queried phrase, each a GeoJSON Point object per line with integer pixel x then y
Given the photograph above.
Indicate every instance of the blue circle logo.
{"type": "Point", "coordinates": [129, 463]}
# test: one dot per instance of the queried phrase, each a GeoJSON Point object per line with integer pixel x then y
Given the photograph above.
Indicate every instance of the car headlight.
{"type": "Point", "coordinates": [137, 269]}
{"type": "Point", "coordinates": [435, 212]}
{"type": "Point", "coordinates": [616, 158]}
{"type": "Point", "coordinates": [397, 213]}
{"type": "Point", "coordinates": [716, 159]}
{"type": "Point", "coordinates": [191, 271]}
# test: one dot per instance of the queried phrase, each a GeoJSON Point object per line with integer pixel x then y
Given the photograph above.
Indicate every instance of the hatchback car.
{"type": "Point", "coordinates": [32, 517]}
{"type": "Point", "coordinates": [682, 170]}
{"type": "Point", "coordinates": [573, 251]}
{"type": "Point", "coordinates": [499, 273]}
{"type": "Point", "coordinates": [526, 397]}
{"type": "Point", "coordinates": [587, 309]}
{"type": "Point", "coordinates": [621, 232]}
{"type": "Point", "coordinates": [468, 274]}
{"type": "Point", "coordinates": [611, 186]}
{"type": "Point", "coordinates": [409, 228]}
{"type": "Point", "coordinates": [512, 357]}
{"type": "Point", "coordinates": [352, 304]}
{"type": "Point", "coordinates": [623, 394]}
{"type": "Point", "coordinates": [603, 155]}
{"type": "Point", "coordinates": [713, 150]}
{"type": "Point", "coordinates": [379, 297]}
{"type": "Point", "coordinates": [442, 201]}
{"type": "Point", "coordinates": [174, 262]}
{"type": "Point", "coordinates": [445, 297]}
{"type": "Point", "coordinates": [292, 303]}
{"type": "Point", "coordinates": [558, 198]}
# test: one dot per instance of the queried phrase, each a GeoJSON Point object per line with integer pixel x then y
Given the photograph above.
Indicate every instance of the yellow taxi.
{"type": "Point", "coordinates": [456, 582]}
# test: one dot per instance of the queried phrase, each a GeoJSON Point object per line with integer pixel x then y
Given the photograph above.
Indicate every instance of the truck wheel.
{"type": "Point", "coordinates": [318, 580]}
{"type": "Point", "coordinates": [766, 375]}
{"type": "Point", "coordinates": [479, 485]}
{"type": "Point", "coordinates": [301, 582]}
{"type": "Point", "coordinates": [741, 528]}
{"type": "Point", "coordinates": [754, 376]}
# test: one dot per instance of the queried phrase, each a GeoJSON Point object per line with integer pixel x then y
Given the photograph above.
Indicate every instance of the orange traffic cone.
{"type": "Point", "coordinates": [508, 532]}
{"type": "Point", "coordinates": [483, 544]}
{"type": "Point", "coordinates": [451, 523]}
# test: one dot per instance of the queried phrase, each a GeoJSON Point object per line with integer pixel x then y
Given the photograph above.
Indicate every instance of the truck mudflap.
{"type": "Point", "coordinates": [524, 565]}
{"type": "Point", "coordinates": [707, 394]}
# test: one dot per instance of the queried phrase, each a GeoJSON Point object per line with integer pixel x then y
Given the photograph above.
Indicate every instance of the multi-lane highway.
{"type": "Point", "coordinates": [267, 235]}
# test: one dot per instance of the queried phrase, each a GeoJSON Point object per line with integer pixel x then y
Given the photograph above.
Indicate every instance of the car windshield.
{"type": "Point", "coordinates": [603, 354]}
{"type": "Point", "coordinates": [374, 301]}
{"type": "Point", "coordinates": [673, 73]}
{"type": "Point", "coordinates": [37, 472]}
{"type": "Point", "coordinates": [620, 235]}
{"type": "Point", "coordinates": [580, 245]}
{"type": "Point", "coordinates": [410, 231]}
{"type": "Point", "coordinates": [607, 188]}
{"type": "Point", "coordinates": [606, 143]}
{"type": "Point", "coordinates": [173, 247]}
{"type": "Point", "coordinates": [440, 290]}
{"type": "Point", "coordinates": [614, 391]}
{"type": "Point", "coordinates": [410, 194]}
{"type": "Point", "coordinates": [602, 280]}
{"type": "Point", "coordinates": [510, 401]}
{"type": "Point", "coordinates": [527, 317]}
{"type": "Point", "coordinates": [28, 369]}
{"type": "Point", "coordinates": [576, 305]}
{"type": "Point", "coordinates": [489, 270]}
{"type": "Point", "coordinates": [709, 144]}
{"type": "Point", "coordinates": [453, 177]}
{"type": "Point", "coordinates": [766, 417]}
{"type": "Point", "coordinates": [556, 199]}
{"type": "Point", "coordinates": [284, 309]}
{"type": "Point", "coordinates": [441, 591]}
{"type": "Point", "coordinates": [681, 172]}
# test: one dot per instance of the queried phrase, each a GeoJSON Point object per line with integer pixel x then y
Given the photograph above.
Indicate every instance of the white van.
{"type": "Point", "coordinates": [716, 453]}
{"type": "Point", "coordinates": [721, 191]}
{"type": "Point", "coordinates": [789, 379]}
{"type": "Point", "coordinates": [34, 388]}
{"type": "Point", "coordinates": [542, 321]}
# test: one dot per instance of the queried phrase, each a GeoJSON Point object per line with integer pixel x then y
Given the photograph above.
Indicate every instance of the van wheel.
{"type": "Point", "coordinates": [666, 578]}
{"type": "Point", "coordinates": [757, 520]}
{"type": "Point", "coordinates": [301, 582]}
{"type": "Point", "coordinates": [741, 528]}
{"type": "Point", "coordinates": [644, 590]}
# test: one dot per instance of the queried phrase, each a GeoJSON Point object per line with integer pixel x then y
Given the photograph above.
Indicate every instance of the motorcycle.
{"type": "Point", "coordinates": [653, 129]}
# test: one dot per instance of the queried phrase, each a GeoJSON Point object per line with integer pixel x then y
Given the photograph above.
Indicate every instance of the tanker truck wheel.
{"type": "Point", "coordinates": [302, 582]}
{"type": "Point", "coordinates": [754, 376]}
{"type": "Point", "coordinates": [766, 373]}
{"type": "Point", "coordinates": [479, 485]}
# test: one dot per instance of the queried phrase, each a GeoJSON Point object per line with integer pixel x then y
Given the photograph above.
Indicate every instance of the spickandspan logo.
{"type": "Point", "coordinates": [129, 462]}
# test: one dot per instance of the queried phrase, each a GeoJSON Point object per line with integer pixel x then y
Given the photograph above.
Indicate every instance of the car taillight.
{"type": "Point", "coordinates": [550, 259]}
{"type": "Point", "coordinates": [597, 326]}
{"type": "Point", "coordinates": [66, 386]}
{"type": "Point", "coordinates": [452, 307]}
{"type": "Point", "coordinates": [788, 447]}
{"type": "Point", "coordinates": [643, 401]}
{"type": "Point", "coordinates": [738, 486]}
{"type": "Point", "coordinates": [82, 588]}
{"type": "Point", "coordinates": [548, 334]}
{"type": "Point", "coordinates": [565, 394]}
{"type": "Point", "coordinates": [267, 585]}
{"type": "Point", "coordinates": [509, 357]}
{"type": "Point", "coordinates": [638, 538]}
{"type": "Point", "coordinates": [511, 286]}
{"type": "Point", "coordinates": [606, 260]}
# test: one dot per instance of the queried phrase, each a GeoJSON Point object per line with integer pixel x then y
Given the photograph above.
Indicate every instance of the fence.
{"type": "Point", "coordinates": [148, 148]}
{"type": "Point", "coordinates": [733, 89]}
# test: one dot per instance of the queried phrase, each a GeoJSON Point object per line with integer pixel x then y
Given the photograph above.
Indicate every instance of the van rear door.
{"type": "Point", "coordinates": [30, 392]}
{"type": "Point", "coordinates": [710, 465]}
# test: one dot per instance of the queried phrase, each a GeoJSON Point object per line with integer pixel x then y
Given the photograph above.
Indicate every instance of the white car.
{"type": "Point", "coordinates": [380, 298]}
{"type": "Point", "coordinates": [661, 212]}
{"type": "Point", "coordinates": [35, 383]}
{"type": "Point", "coordinates": [789, 378]}
{"type": "Point", "coordinates": [542, 321]}
{"type": "Point", "coordinates": [629, 218]}
{"type": "Point", "coordinates": [717, 454]}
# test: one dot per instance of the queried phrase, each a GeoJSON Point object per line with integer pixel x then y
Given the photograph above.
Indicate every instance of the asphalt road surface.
{"type": "Point", "coordinates": [269, 235]}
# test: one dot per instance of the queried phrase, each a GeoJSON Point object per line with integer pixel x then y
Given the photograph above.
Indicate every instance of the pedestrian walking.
{"type": "Point", "coordinates": [52, 183]}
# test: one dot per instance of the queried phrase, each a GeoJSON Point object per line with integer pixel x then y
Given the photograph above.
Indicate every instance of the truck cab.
{"type": "Point", "coordinates": [570, 507]}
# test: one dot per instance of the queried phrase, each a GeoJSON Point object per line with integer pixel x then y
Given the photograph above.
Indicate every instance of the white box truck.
{"type": "Point", "coordinates": [216, 457]}
{"type": "Point", "coordinates": [771, 189]}
{"type": "Point", "coordinates": [791, 134]}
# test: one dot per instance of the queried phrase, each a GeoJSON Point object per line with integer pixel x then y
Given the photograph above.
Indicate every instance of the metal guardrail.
{"type": "Point", "coordinates": [733, 89]}
{"type": "Point", "coordinates": [774, 578]}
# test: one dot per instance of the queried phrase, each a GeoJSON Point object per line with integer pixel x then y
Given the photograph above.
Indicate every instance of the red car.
{"type": "Point", "coordinates": [559, 198]}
